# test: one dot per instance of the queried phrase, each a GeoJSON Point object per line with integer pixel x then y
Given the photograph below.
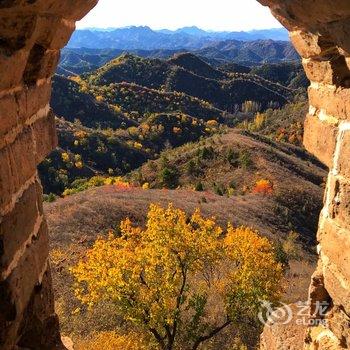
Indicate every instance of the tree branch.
{"type": "Point", "coordinates": [179, 297]}
{"type": "Point", "coordinates": [210, 335]}
{"type": "Point", "coordinates": [158, 337]}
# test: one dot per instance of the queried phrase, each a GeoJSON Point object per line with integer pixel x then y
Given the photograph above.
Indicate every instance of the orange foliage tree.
{"type": "Point", "coordinates": [263, 187]}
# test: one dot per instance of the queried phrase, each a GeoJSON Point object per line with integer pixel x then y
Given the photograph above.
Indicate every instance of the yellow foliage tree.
{"type": "Point", "coordinates": [164, 278]}
{"type": "Point", "coordinates": [65, 157]}
{"type": "Point", "coordinates": [99, 98]}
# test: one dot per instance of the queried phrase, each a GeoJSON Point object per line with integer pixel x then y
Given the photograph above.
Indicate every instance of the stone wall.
{"type": "Point", "coordinates": [320, 31]}
{"type": "Point", "coordinates": [31, 35]}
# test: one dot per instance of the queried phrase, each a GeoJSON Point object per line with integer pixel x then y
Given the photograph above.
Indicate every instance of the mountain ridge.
{"type": "Point", "coordinates": [143, 37]}
{"type": "Point", "coordinates": [249, 53]}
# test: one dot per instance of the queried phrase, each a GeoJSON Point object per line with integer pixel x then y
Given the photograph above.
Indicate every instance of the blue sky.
{"type": "Point", "coordinates": [232, 15]}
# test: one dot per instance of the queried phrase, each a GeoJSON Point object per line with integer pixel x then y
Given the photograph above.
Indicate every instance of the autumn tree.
{"type": "Point", "coordinates": [164, 279]}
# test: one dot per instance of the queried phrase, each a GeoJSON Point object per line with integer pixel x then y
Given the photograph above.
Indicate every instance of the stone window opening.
{"type": "Point", "coordinates": [27, 317]}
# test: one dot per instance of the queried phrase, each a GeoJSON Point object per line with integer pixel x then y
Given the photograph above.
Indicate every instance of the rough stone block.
{"type": "Point", "coordinates": [335, 243]}
{"type": "Point", "coordinates": [44, 134]}
{"type": "Point", "coordinates": [340, 31]}
{"type": "Point", "coordinates": [41, 64]}
{"type": "Point", "coordinates": [320, 139]}
{"type": "Point", "coordinates": [334, 101]}
{"type": "Point", "coordinates": [308, 14]}
{"type": "Point", "coordinates": [16, 32]}
{"type": "Point", "coordinates": [339, 210]}
{"type": "Point", "coordinates": [69, 9]}
{"type": "Point", "coordinates": [16, 291]}
{"type": "Point", "coordinates": [35, 98]}
{"type": "Point", "coordinates": [53, 33]}
{"type": "Point", "coordinates": [333, 71]}
{"type": "Point", "coordinates": [17, 165]}
{"type": "Point", "coordinates": [18, 225]}
{"type": "Point", "coordinates": [39, 328]}
{"type": "Point", "coordinates": [16, 64]}
{"type": "Point", "coordinates": [8, 113]}
{"type": "Point", "coordinates": [344, 158]}
{"type": "Point", "coordinates": [306, 44]}
{"type": "Point", "coordinates": [317, 292]}
{"type": "Point", "coordinates": [334, 283]}
{"type": "Point", "coordinates": [339, 323]}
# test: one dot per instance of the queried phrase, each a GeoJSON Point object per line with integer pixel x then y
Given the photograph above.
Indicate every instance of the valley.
{"type": "Point", "coordinates": [206, 128]}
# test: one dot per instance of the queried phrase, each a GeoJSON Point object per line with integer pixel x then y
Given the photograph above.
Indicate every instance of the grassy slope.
{"type": "Point", "coordinates": [285, 166]}
{"type": "Point", "coordinates": [76, 221]}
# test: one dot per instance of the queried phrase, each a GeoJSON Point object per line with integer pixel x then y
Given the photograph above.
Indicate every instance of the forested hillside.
{"type": "Point", "coordinates": [132, 108]}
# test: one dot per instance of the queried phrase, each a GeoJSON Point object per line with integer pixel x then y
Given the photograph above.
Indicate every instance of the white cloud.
{"type": "Point", "coordinates": [214, 14]}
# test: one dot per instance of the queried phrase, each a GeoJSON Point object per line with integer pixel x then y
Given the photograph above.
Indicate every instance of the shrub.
{"type": "Point", "coordinates": [280, 255]}
{"type": "Point", "coordinates": [169, 177]}
{"type": "Point", "coordinates": [292, 246]}
{"type": "Point", "coordinates": [191, 167]}
{"type": "Point", "coordinates": [51, 197]}
{"type": "Point", "coordinates": [232, 157]}
{"type": "Point", "coordinates": [263, 187]}
{"type": "Point", "coordinates": [199, 187]}
{"type": "Point", "coordinates": [219, 189]}
{"type": "Point", "coordinates": [206, 153]}
{"type": "Point", "coordinates": [80, 185]}
{"type": "Point", "coordinates": [145, 186]}
{"type": "Point", "coordinates": [245, 160]}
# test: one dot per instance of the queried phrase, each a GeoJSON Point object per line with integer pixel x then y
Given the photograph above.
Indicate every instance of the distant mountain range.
{"type": "Point", "coordinates": [248, 53]}
{"type": "Point", "coordinates": [144, 38]}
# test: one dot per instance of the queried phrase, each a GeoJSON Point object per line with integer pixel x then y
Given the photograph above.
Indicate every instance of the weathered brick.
{"type": "Point", "coordinates": [39, 328]}
{"type": "Point", "coordinates": [17, 165]}
{"type": "Point", "coordinates": [335, 242]}
{"type": "Point", "coordinates": [34, 98]}
{"type": "Point", "coordinates": [18, 225]}
{"type": "Point", "coordinates": [339, 192]}
{"type": "Point", "coordinates": [41, 64]}
{"type": "Point", "coordinates": [25, 276]}
{"type": "Point", "coordinates": [335, 101]}
{"type": "Point", "coordinates": [53, 32]}
{"type": "Point", "coordinates": [333, 71]}
{"type": "Point", "coordinates": [320, 139]}
{"type": "Point", "coordinates": [16, 41]}
{"type": "Point", "coordinates": [306, 44]}
{"type": "Point", "coordinates": [18, 288]}
{"type": "Point", "coordinates": [344, 157]}
{"type": "Point", "coordinates": [8, 114]}
{"type": "Point", "coordinates": [44, 134]}
{"type": "Point", "coordinates": [15, 63]}
{"type": "Point", "coordinates": [334, 284]}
